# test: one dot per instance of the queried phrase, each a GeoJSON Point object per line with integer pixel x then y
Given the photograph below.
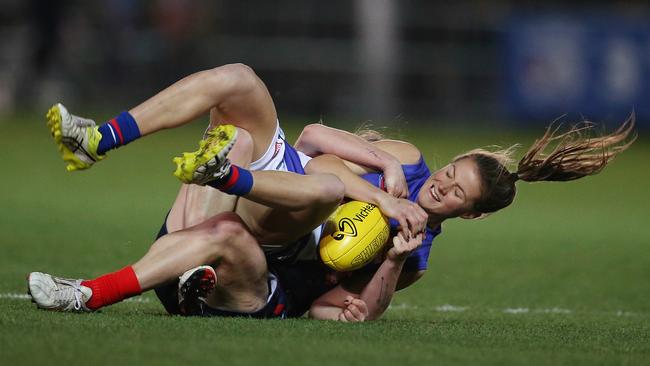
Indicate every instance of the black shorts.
{"type": "Point", "coordinates": [293, 288]}
{"type": "Point", "coordinates": [276, 307]}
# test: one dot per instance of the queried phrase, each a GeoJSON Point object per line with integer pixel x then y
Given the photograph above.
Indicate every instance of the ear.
{"type": "Point", "coordinates": [471, 215]}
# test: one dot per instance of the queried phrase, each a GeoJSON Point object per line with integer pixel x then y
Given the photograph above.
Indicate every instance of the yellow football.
{"type": "Point", "coordinates": [353, 235]}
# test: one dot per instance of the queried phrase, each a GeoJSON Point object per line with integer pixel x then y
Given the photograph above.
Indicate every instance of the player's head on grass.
{"type": "Point", "coordinates": [479, 182]}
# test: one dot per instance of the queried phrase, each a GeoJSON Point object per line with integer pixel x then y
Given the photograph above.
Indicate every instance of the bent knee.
{"type": "Point", "coordinates": [236, 77]}
{"type": "Point", "coordinates": [237, 69]}
{"type": "Point", "coordinates": [223, 238]}
{"type": "Point", "coordinates": [224, 226]}
{"type": "Point", "coordinates": [235, 249]}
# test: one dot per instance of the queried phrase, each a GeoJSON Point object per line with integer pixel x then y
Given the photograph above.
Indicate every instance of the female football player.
{"type": "Point", "coordinates": [473, 185]}
{"type": "Point", "coordinates": [280, 206]}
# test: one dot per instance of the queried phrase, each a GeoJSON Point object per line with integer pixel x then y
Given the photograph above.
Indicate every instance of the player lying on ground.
{"type": "Point", "coordinates": [297, 203]}
{"type": "Point", "coordinates": [474, 184]}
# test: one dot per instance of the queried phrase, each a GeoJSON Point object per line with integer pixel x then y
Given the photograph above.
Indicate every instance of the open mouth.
{"type": "Point", "coordinates": [434, 193]}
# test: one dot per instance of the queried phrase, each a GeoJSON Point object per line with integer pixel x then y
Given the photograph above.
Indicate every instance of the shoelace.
{"type": "Point", "coordinates": [66, 295]}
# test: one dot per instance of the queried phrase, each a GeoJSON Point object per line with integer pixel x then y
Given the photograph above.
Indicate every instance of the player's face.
{"type": "Point", "coordinates": [451, 191]}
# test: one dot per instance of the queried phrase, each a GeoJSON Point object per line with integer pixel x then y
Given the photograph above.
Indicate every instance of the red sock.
{"type": "Point", "coordinates": [113, 287]}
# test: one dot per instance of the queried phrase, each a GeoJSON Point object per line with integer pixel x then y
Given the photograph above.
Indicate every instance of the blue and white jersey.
{"type": "Point", "coordinates": [306, 250]}
{"type": "Point", "coordinates": [302, 275]}
{"type": "Point", "coordinates": [416, 175]}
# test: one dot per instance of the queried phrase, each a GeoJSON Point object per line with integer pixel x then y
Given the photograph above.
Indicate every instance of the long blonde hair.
{"type": "Point", "coordinates": [575, 154]}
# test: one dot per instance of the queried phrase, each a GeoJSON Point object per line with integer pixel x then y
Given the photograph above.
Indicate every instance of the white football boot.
{"type": "Point", "coordinates": [60, 294]}
{"type": "Point", "coordinates": [194, 286]}
{"type": "Point", "coordinates": [76, 138]}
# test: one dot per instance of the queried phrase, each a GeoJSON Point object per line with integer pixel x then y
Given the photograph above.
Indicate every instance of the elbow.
{"type": "Point", "coordinates": [307, 141]}
{"type": "Point", "coordinates": [314, 129]}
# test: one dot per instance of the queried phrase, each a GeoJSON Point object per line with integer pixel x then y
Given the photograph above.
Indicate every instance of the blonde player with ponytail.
{"type": "Point", "coordinates": [473, 185]}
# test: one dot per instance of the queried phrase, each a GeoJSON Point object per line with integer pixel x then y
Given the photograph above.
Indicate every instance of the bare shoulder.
{"type": "Point", "coordinates": [404, 151]}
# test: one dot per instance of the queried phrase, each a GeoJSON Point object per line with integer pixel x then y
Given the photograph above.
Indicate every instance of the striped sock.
{"type": "Point", "coordinates": [117, 132]}
{"type": "Point", "coordinates": [113, 287]}
{"type": "Point", "coordinates": [238, 181]}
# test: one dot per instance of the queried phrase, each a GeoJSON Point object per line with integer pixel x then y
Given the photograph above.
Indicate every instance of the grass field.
{"type": "Point", "coordinates": [562, 277]}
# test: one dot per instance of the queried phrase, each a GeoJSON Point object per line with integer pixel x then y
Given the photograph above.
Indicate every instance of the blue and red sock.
{"type": "Point", "coordinates": [117, 132]}
{"type": "Point", "coordinates": [238, 182]}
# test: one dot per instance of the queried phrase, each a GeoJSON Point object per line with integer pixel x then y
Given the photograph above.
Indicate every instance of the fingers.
{"type": "Point", "coordinates": [404, 226]}
{"type": "Point", "coordinates": [356, 310]}
{"type": "Point", "coordinates": [398, 240]}
{"type": "Point", "coordinates": [403, 245]}
{"type": "Point", "coordinates": [411, 217]}
{"type": "Point", "coordinates": [416, 218]}
{"type": "Point", "coordinates": [362, 306]}
{"type": "Point", "coordinates": [342, 317]}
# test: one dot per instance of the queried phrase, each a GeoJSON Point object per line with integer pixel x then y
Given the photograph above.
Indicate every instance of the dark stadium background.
{"type": "Point", "coordinates": [390, 62]}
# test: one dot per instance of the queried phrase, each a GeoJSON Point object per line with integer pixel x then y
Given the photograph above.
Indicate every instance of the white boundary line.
{"type": "Point", "coordinates": [445, 308]}
{"type": "Point", "coordinates": [17, 296]}
{"type": "Point", "coordinates": [448, 308]}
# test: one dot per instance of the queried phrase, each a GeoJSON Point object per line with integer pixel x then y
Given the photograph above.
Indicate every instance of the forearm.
{"type": "Point", "coordinates": [317, 139]}
{"type": "Point", "coordinates": [376, 292]}
{"type": "Point", "coordinates": [325, 312]}
{"type": "Point", "coordinates": [356, 188]}
{"type": "Point", "coordinates": [379, 292]}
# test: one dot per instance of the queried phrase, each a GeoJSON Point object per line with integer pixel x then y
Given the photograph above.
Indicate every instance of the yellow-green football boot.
{"type": "Point", "coordinates": [210, 161]}
{"type": "Point", "coordinates": [76, 138]}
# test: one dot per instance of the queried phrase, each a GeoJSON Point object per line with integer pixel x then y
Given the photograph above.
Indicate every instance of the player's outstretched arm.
{"type": "Point", "coordinates": [362, 156]}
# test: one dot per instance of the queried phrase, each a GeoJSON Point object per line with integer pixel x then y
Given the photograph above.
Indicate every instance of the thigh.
{"type": "Point", "coordinates": [223, 242]}
{"type": "Point", "coordinates": [194, 204]}
{"type": "Point", "coordinates": [242, 272]}
{"type": "Point", "coordinates": [253, 111]}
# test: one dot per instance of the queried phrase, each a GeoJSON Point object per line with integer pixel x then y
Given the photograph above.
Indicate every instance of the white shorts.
{"type": "Point", "coordinates": [273, 158]}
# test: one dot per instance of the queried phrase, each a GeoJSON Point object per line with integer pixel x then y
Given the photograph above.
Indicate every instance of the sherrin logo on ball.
{"type": "Point", "coordinates": [353, 235]}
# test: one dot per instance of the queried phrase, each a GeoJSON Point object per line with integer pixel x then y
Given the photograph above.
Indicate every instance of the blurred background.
{"type": "Point", "coordinates": [465, 63]}
{"type": "Point", "coordinates": [561, 277]}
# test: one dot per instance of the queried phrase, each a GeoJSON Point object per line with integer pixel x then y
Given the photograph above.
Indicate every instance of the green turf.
{"type": "Point", "coordinates": [562, 277]}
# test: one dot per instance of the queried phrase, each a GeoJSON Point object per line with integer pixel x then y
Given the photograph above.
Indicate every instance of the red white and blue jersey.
{"type": "Point", "coordinates": [416, 175]}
